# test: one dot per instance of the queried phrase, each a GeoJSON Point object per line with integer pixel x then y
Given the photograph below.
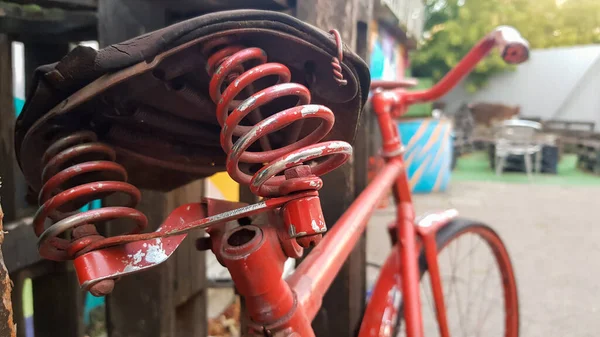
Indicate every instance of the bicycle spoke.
{"type": "Point", "coordinates": [482, 322]}
{"type": "Point", "coordinates": [470, 252]}
{"type": "Point", "coordinates": [451, 280]}
{"type": "Point", "coordinates": [466, 313]}
{"type": "Point", "coordinates": [457, 297]}
{"type": "Point", "coordinates": [486, 278]}
{"type": "Point", "coordinates": [428, 295]}
{"type": "Point", "coordinates": [452, 263]}
{"type": "Point", "coordinates": [469, 302]}
{"type": "Point", "coordinates": [470, 268]}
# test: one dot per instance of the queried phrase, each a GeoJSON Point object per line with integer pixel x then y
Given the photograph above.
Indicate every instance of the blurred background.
{"type": "Point", "coordinates": [516, 147]}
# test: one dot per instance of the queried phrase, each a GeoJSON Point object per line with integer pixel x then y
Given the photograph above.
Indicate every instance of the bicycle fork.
{"type": "Point", "coordinates": [427, 228]}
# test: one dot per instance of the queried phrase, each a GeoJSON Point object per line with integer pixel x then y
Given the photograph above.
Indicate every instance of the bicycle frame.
{"type": "Point", "coordinates": [286, 307]}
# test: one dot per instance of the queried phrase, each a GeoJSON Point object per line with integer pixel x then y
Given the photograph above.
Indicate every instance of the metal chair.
{"type": "Point", "coordinates": [518, 137]}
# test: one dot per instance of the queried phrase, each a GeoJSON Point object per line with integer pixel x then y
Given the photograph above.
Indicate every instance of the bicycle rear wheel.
{"type": "Point", "coordinates": [478, 281]}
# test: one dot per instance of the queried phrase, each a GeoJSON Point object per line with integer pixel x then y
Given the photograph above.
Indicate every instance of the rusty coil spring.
{"type": "Point", "coordinates": [226, 66]}
{"type": "Point", "coordinates": [336, 61]}
{"type": "Point", "coordinates": [77, 170]}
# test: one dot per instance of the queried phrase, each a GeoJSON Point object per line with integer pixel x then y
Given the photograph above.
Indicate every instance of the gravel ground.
{"type": "Point", "coordinates": [551, 235]}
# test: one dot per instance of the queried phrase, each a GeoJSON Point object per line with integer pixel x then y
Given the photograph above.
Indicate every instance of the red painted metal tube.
{"type": "Point", "coordinates": [463, 68]}
{"type": "Point", "coordinates": [409, 266]}
{"type": "Point", "coordinates": [383, 102]}
{"type": "Point", "coordinates": [513, 48]}
{"type": "Point", "coordinates": [402, 83]}
{"type": "Point", "coordinates": [382, 310]}
{"type": "Point", "coordinates": [315, 274]}
{"type": "Point", "coordinates": [255, 262]}
{"type": "Point", "coordinates": [244, 252]}
{"type": "Point", "coordinates": [431, 254]}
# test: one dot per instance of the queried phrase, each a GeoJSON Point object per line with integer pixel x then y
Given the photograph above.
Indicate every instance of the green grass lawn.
{"type": "Point", "coordinates": [476, 167]}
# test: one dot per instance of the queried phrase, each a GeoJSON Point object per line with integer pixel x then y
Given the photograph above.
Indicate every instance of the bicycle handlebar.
{"type": "Point", "coordinates": [403, 83]}
{"type": "Point", "coordinates": [513, 48]}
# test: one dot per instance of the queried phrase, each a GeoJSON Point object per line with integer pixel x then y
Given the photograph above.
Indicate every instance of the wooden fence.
{"type": "Point", "coordinates": [169, 300]}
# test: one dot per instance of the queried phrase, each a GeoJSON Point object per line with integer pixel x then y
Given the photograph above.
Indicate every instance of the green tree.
{"type": "Point", "coordinates": [452, 27]}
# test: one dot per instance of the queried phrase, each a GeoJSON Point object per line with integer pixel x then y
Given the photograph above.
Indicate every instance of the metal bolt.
{"type": "Point", "coordinates": [298, 172]}
{"type": "Point", "coordinates": [102, 288]}
{"type": "Point", "coordinates": [84, 230]}
{"type": "Point", "coordinates": [309, 241]}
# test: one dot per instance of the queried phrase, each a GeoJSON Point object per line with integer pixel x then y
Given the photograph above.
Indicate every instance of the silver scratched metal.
{"type": "Point", "coordinates": [219, 218]}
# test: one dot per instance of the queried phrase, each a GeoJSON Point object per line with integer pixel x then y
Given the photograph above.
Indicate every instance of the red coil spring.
{"type": "Point", "coordinates": [77, 170]}
{"type": "Point", "coordinates": [226, 66]}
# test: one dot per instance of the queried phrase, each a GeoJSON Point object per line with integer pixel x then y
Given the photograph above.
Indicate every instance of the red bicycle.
{"type": "Point", "coordinates": [254, 241]}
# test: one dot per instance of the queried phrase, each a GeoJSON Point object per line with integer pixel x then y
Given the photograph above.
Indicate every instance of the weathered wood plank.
{"type": "Point", "coordinates": [362, 151]}
{"type": "Point", "coordinates": [67, 4]}
{"type": "Point", "coordinates": [20, 239]}
{"type": "Point", "coordinates": [194, 6]}
{"type": "Point", "coordinates": [189, 262]}
{"type": "Point", "coordinates": [155, 302]}
{"type": "Point", "coordinates": [30, 20]}
{"type": "Point", "coordinates": [191, 316]}
{"type": "Point", "coordinates": [331, 14]}
{"type": "Point", "coordinates": [18, 280]}
{"type": "Point", "coordinates": [20, 245]}
{"type": "Point", "coordinates": [7, 120]}
{"type": "Point", "coordinates": [344, 303]}
{"type": "Point", "coordinates": [190, 299]}
{"type": "Point", "coordinates": [141, 304]}
{"type": "Point", "coordinates": [167, 300]}
{"type": "Point", "coordinates": [58, 301]}
{"type": "Point", "coordinates": [7, 327]}
{"type": "Point", "coordinates": [365, 15]}
{"type": "Point", "coordinates": [58, 304]}
{"type": "Point", "coordinates": [120, 20]}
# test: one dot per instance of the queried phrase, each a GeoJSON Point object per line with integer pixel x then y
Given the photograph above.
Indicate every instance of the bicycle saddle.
{"type": "Point", "coordinates": [148, 98]}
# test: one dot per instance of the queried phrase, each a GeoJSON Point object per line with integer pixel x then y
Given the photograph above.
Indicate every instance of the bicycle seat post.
{"type": "Point", "coordinates": [256, 267]}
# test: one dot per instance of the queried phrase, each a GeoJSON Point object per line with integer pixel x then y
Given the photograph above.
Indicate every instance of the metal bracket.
{"type": "Point", "coordinates": [122, 255]}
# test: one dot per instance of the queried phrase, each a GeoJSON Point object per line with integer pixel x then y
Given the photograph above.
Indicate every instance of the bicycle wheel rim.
{"type": "Point", "coordinates": [451, 233]}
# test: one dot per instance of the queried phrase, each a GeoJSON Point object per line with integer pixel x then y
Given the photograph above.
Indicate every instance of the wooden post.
{"type": "Point", "coordinates": [141, 304]}
{"type": "Point", "coordinates": [7, 121]}
{"type": "Point", "coordinates": [7, 188]}
{"type": "Point", "coordinates": [344, 303]}
{"type": "Point", "coordinates": [57, 304]}
{"type": "Point", "coordinates": [168, 300]}
{"type": "Point", "coordinates": [21, 241]}
{"type": "Point", "coordinates": [190, 271]}
{"type": "Point", "coordinates": [18, 280]}
{"type": "Point", "coordinates": [57, 299]}
{"type": "Point", "coordinates": [7, 327]}
{"type": "Point", "coordinates": [120, 20]}
{"type": "Point", "coordinates": [8, 177]}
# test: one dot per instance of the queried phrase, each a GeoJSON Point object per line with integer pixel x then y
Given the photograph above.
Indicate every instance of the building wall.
{"type": "Point", "coordinates": [544, 86]}
{"type": "Point", "coordinates": [387, 55]}
{"type": "Point", "coordinates": [584, 103]}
